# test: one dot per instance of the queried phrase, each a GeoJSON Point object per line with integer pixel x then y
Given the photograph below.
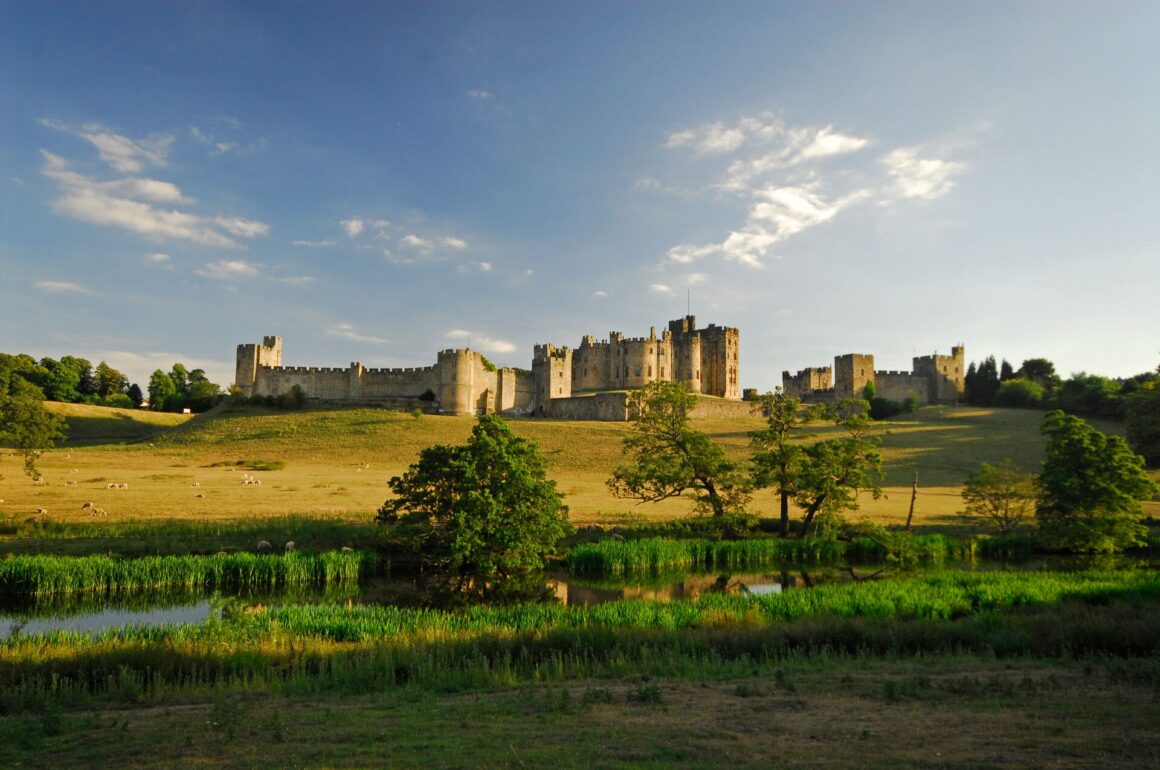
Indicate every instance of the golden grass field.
{"type": "Point", "coordinates": [336, 463]}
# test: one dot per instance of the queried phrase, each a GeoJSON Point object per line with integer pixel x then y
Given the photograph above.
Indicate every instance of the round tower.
{"type": "Point", "coordinates": [456, 381]}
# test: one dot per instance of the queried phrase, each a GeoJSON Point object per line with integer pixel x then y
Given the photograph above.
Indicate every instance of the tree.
{"type": "Point", "coordinates": [670, 458]}
{"type": "Point", "coordinates": [835, 471]}
{"type": "Point", "coordinates": [27, 425]}
{"type": "Point", "coordinates": [1002, 493]}
{"type": "Point", "coordinates": [1142, 422]}
{"type": "Point", "coordinates": [161, 390]}
{"type": "Point", "coordinates": [1040, 371]}
{"type": "Point", "coordinates": [778, 456]}
{"type": "Point", "coordinates": [135, 395]}
{"type": "Point", "coordinates": [1090, 394]}
{"type": "Point", "coordinates": [480, 512]}
{"type": "Point", "coordinates": [1090, 489]}
{"type": "Point", "coordinates": [869, 391]}
{"type": "Point", "coordinates": [63, 379]}
{"type": "Point", "coordinates": [1006, 371]}
{"type": "Point", "coordinates": [982, 386]}
{"type": "Point", "coordinates": [109, 381]}
{"type": "Point", "coordinates": [1019, 392]}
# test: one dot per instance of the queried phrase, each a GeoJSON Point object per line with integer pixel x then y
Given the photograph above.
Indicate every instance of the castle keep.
{"type": "Point", "coordinates": [933, 379]}
{"type": "Point", "coordinates": [563, 382]}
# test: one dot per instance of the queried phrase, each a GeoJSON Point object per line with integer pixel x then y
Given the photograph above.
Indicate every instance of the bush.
{"type": "Point", "coordinates": [1019, 393]}
{"type": "Point", "coordinates": [885, 408]}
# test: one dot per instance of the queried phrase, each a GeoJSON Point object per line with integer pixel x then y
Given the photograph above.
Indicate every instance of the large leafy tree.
{"type": "Point", "coordinates": [481, 512]}
{"type": "Point", "coordinates": [110, 382]}
{"type": "Point", "coordinates": [835, 471]}
{"type": "Point", "coordinates": [162, 390]}
{"type": "Point", "coordinates": [1090, 488]}
{"type": "Point", "coordinates": [26, 424]}
{"type": "Point", "coordinates": [1002, 493]}
{"type": "Point", "coordinates": [670, 458]}
{"type": "Point", "coordinates": [778, 451]}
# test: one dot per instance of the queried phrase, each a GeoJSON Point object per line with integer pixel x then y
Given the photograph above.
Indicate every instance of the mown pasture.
{"type": "Point", "coordinates": [335, 463]}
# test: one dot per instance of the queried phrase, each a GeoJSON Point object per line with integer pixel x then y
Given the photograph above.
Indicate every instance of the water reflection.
{"type": "Point", "coordinates": [100, 620]}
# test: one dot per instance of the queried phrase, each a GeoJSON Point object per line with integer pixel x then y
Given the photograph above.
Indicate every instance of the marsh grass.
{"type": "Point", "coordinates": [316, 649]}
{"type": "Point", "coordinates": [37, 576]}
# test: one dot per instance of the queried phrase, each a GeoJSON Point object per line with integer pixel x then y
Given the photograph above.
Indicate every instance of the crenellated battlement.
{"type": "Point", "coordinates": [933, 379]}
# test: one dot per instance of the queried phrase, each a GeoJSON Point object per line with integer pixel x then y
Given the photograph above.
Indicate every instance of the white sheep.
{"type": "Point", "coordinates": [264, 546]}
{"type": "Point", "coordinates": [289, 546]}
{"type": "Point", "coordinates": [41, 511]}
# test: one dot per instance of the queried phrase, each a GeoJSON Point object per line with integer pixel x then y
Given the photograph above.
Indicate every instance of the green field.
{"type": "Point", "coordinates": [335, 463]}
{"type": "Point", "coordinates": [950, 668]}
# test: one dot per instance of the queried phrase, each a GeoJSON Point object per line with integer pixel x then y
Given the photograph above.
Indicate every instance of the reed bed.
{"type": "Point", "coordinates": [614, 557]}
{"type": "Point", "coordinates": [363, 648]}
{"type": "Point", "coordinates": [39, 576]}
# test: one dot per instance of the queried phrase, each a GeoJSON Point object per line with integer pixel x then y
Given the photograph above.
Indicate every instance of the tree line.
{"type": "Point", "coordinates": [1035, 385]}
{"type": "Point", "coordinates": [74, 380]}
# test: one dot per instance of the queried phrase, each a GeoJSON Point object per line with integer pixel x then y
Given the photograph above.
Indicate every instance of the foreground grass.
{"type": "Point", "coordinates": [819, 711]}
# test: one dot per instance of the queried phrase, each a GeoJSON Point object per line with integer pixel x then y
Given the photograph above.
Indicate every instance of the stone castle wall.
{"type": "Point", "coordinates": [458, 383]}
{"type": "Point", "coordinates": [934, 379]}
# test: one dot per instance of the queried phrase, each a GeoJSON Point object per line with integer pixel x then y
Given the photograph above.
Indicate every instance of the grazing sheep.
{"type": "Point", "coordinates": [41, 511]}
{"type": "Point", "coordinates": [264, 546]}
{"type": "Point", "coordinates": [70, 483]}
{"type": "Point", "coordinates": [196, 484]}
{"type": "Point", "coordinates": [199, 494]}
{"type": "Point", "coordinates": [88, 505]}
{"type": "Point", "coordinates": [289, 546]}
{"type": "Point", "coordinates": [98, 512]}
{"type": "Point", "coordinates": [347, 549]}
{"type": "Point", "coordinates": [110, 485]}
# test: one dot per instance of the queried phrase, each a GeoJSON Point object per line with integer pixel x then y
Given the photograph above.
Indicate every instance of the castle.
{"type": "Point", "coordinates": [562, 382]}
{"type": "Point", "coordinates": [933, 379]}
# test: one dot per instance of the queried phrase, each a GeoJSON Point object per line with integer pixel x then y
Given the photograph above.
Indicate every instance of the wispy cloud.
{"type": "Point", "coordinates": [349, 332]}
{"type": "Point", "coordinates": [353, 226]}
{"type": "Point", "coordinates": [157, 258]}
{"type": "Point", "coordinates": [128, 204]}
{"type": "Point", "coordinates": [227, 269]}
{"type": "Point", "coordinates": [314, 244]}
{"type": "Point", "coordinates": [600, 294]}
{"type": "Point", "coordinates": [214, 139]}
{"type": "Point", "coordinates": [296, 280]}
{"type": "Point", "coordinates": [479, 94]}
{"type": "Point", "coordinates": [129, 156]}
{"type": "Point", "coordinates": [60, 287]}
{"type": "Point", "coordinates": [481, 342]}
{"type": "Point", "coordinates": [789, 181]}
{"type": "Point", "coordinates": [660, 288]}
{"type": "Point", "coordinates": [915, 177]}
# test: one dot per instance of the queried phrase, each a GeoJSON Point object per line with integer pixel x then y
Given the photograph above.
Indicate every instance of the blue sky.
{"type": "Point", "coordinates": [378, 181]}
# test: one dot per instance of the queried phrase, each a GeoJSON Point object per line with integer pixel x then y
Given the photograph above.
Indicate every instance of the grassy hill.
{"type": "Point", "coordinates": [335, 463]}
{"type": "Point", "coordinates": [93, 425]}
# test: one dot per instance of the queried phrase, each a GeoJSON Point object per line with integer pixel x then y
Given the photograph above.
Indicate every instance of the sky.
{"type": "Point", "coordinates": [377, 181]}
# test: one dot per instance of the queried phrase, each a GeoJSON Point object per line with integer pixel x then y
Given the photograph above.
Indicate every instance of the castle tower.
{"type": "Point", "coordinates": [456, 381]}
{"type": "Point", "coordinates": [250, 360]}
{"type": "Point", "coordinates": [946, 375]}
{"type": "Point", "coordinates": [551, 373]}
{"type": "Point", "coordinates": [851, 373]}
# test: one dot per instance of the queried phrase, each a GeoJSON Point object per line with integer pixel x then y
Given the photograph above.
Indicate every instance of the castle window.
{"type": "Point", "coordinates": [662, 372]}
{"type": "Point", "coordinates": [650, 371]}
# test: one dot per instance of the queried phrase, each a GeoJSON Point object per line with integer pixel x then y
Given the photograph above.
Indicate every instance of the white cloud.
{"type": "Point", "coordinates": [60, 287]}
{"type": "Point", "coordinates": [129, 156]}
{"type": "Point", "coordinates": [480, 342]}
{"type": "Point", "coordinates": [243, 228]}
{"type": "Point", "coordinates": [349, 332]}
{"type": "Point", "coordinates": [454, 243]}
{"type": "Point", "coordinates": [647, 183]}
{"type": "Point", "coordinates": [226, 269]}
{"type": "Point", "coordinates": [416, 242]}
{"type": "Point", "coordinates": [314, 244]}
{"type": "Point", "coordinates": [296, 280]}
{"type": "Point", "coordinates": [479, 94]}
{"type": "Point", "coordinates": [118, 204]}
{"type": "Point", "coordinates": [157, 258]}
{"type": "Point", "coordinates": [716, 138]}
{"type": "Point", "coordinates": [600, 294]}
{"type": "Point", "coordinates": [692, 279]}
{"type": "Point", "coordinates": [925, 178]}
{"type": "Point", "coordinates": [353, 226]}
{"type": "Point", "coordinates": [660, 288]}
